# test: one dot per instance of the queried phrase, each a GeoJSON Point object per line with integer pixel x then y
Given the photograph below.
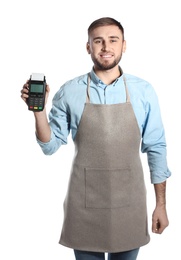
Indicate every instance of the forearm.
{"type": "Point", "coordinates": [160, 193]}
{"type": "Point", "coordinates": [42, 127]}
{"type": "Point", "coordinates": [159, 218]}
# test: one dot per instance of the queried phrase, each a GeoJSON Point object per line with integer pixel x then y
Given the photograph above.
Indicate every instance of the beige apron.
{"type": "Point", "coordinates": [105, 207]}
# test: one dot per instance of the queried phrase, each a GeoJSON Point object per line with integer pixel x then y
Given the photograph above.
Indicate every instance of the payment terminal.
{"type": "Point", "coordinates": [37, 92]}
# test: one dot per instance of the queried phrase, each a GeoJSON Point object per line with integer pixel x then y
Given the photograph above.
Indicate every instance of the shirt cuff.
{"type": "Point", "coordinates": [159, 177]}
{"type": "Point", "coordinates": [42, 143]}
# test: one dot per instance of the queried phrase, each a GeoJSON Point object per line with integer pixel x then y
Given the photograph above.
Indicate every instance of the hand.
{"type": "Point", "coordinates": [25, 90]}
{"type": "Point", "coordinates": [159, 219]}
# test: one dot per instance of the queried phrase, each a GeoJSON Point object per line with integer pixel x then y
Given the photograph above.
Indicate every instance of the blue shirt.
{"type": "Point", "coordinates": [68, 105]}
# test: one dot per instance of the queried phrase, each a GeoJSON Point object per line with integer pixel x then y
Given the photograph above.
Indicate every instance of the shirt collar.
{"type": "Point", "coordinates": [98, 82]}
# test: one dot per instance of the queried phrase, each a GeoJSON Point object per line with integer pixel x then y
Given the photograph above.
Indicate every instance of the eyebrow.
{"type": "Point", "coordinates": [100, 38]}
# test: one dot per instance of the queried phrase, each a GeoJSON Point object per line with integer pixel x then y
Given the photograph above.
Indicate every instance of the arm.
{"type": "Point", "coordinates": [52, 133]}
{"type": "Point", "coordinates": [42, 127]}
{"type": "Point", "coordinates": [159, 217]}
{"type": "Point", "coordinates": [154, 144]}
{"type": "Point", "coordinates": [153, 139]}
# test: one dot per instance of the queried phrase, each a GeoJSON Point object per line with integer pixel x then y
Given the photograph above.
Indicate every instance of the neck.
{"type": "Point", "coordinates": [108, 76]}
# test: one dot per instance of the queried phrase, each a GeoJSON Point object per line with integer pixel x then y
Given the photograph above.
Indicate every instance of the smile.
{"type": "Point", "coordinates": [106, 56]}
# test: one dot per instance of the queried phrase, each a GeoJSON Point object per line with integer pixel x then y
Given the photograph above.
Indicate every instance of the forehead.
{"type": "Point", "coordinates": [106, 32]}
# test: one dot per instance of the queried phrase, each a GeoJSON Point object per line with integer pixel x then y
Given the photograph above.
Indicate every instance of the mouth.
{"type": "Point", "coordinates": [106, 56]}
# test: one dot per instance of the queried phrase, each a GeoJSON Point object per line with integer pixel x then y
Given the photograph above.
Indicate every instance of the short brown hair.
{"type": "Point", "coordinates": [103, 22]}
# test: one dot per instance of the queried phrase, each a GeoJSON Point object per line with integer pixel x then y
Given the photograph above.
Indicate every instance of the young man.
{"type": "Point", "coordinates": [108, 113]}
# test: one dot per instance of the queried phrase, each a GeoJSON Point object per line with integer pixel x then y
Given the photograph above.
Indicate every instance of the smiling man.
{"type": "Point", "coordinates": [106, 45]}
{"type": "Point", "coordinates": [110, 115]}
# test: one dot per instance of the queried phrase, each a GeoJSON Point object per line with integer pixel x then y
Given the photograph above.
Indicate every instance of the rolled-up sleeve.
{"type": "Point", "coordinates": [59, 121]}
{"type": "Point", "coordinates": [153, 139]}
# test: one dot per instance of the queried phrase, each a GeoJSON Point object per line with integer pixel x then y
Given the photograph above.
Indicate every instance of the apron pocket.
{"type": "Point", "coordinates": [107, 188]}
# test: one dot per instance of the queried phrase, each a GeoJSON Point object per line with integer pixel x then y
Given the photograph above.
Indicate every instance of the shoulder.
{"type": "Point", "coordinates": [137, 81]}
{"type": "Point", "coordinates": [71, 93]}
{"type": "Point", "coordinates": [75, 83]}
{"type": "Point", "coordinates": [138, 85]}
{"type": "Point", "coordinates": [72, 86]}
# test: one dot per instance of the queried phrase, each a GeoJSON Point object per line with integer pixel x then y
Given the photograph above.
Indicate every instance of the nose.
{"type": "Point", "coordinates": [104, 46]}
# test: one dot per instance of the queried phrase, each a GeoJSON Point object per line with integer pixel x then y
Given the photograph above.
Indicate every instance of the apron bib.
{"type": "Point", "coordinates": [105, 207]}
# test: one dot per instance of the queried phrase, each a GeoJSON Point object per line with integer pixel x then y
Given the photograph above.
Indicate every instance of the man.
{"type": "Point", "coordinates": [108, 113]}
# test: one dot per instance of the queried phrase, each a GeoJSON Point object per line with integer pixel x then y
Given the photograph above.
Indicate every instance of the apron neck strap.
{"type": "Point", "coordinates": [88, 89]}
{"type": "Point", "coordinates": [126, 89]}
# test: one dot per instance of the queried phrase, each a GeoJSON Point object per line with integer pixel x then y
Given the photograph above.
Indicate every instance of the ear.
{"type": "Point", "coordinates": [88, 48]}
{"type": "Point", "coordinates": [124, 46]}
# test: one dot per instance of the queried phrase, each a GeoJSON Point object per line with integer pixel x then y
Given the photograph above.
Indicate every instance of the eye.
{"type": "Point", "coordinates": [113, 40]}
{"type": "Point", "coordinates": [97, 41]}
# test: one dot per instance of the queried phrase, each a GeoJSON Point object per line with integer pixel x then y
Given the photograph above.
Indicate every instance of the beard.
{"type": "Point", "coordinates": [105, 65]}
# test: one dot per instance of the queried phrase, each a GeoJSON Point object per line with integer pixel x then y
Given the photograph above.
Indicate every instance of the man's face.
{"type": "Point", "coordinates": [106, 46]}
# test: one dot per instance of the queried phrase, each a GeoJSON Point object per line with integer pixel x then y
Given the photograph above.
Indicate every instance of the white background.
{"type": "Point", "coordinates": [50, 37]}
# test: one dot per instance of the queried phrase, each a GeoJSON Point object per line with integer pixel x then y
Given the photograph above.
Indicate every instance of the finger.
{"type": "Point", "coordinates": [24, 96]}
{"type": "Point", "coordinates": [24, 91]}
{"type": "Point", "coordinates": [47, 88]}
{"type": "Point", "coordinates": [26, 85]}
{"type": "Point", "coordinates": [156, 227]}
{"type": "Point", "coordinates": [25, 88]}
